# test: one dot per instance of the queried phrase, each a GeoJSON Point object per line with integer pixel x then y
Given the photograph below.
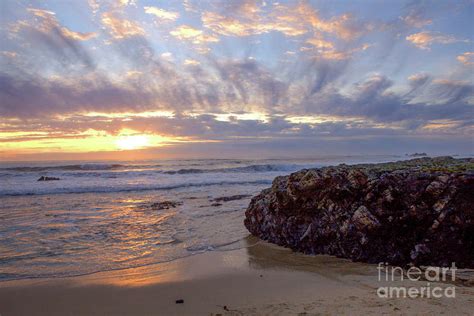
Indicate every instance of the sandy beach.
{"type": "Point", "coordinates": [261, 279]}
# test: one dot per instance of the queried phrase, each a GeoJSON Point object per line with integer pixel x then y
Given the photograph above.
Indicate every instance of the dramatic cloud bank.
{"type": "Point", "coordinates": [274, 75]}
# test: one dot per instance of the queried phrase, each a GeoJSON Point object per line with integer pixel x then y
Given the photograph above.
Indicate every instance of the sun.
{"type": "Point", "coordinates": [132, 142]}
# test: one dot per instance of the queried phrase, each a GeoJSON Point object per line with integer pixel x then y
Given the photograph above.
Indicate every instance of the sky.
{"type": "Point", "coordinates": [139, 79]}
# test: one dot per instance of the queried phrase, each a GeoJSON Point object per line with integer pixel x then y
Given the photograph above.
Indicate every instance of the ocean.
{"type": "Point", "coordinates": [114, 215]}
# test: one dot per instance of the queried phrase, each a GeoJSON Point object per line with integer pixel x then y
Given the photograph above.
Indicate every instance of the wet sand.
{"type": "Point", "coordinates": [261, 279]}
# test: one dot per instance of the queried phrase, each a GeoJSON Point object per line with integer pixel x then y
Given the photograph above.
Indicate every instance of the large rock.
{"type": "Point", "coordinates": [419, 211]}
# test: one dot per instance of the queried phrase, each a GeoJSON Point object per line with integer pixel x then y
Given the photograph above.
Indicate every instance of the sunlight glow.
{"type": "Point", "coordinates": [132, 142]}
{"type": "Point", "coordinates": [168, 114]}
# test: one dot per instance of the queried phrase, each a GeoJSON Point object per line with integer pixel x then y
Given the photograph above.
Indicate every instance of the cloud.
{"type": "Point", "coordinates": [223, 86]}
{"type": "Point", "coordinates": [124, 3]}
{"type": "Point", "coordinates": [112, 5]}
{"type": "Point", "coordinates": [327, 51]}
{"type": "Point", "coordinates": [193, 35]}
{"type": "Point", "coordinates": [466, 58]}
{"type": "Point", "coordinates": [417, 82]}
{"type": "Point", "coordinates": [230, 107]}
{"type": "Point", "coordinates": [452, 91]}
{"type": "Point", "coordinates": [77, 35]}
{"type": "Point", "coordinates": [57, 96]}
{"type": "Point", "coordinates": [239, 86]}
{"type": "Point", "coordinates": [416, 21]}
{"type": "Point", "coordinates": [162, 14]}
{"type": "Point", "coordinates": [227, 25]}
{"type": "Point", "coordinates": [291, 20]}
{"type": "Point", "coordinates": [280, 131]}
{"type": "Point", "coordinates": [372, 99]}
{"type": "Point", "coordinates": [8, 54]}
{"type": "Point", "coordinates": [415, 16]}
{"type": "Point", "coordinates": [320, 43]}
{"type": "Point", "coordinates": [167, 56]}
{"type": "Point", "coordinates": [343, 26]}
{"type": "Point", "coordinates": [299, 20]}
{"type": "Point", "coordinates": [418, 78]}
{"type": "Point", "coordinates": [424, 40]}
{"type": "Point", "coordinates": [57, 43]}
{"type": "Point", "coordinates": [41, 13]}
{"type": "Point", "coordinates": [236, 19]}
{"type": "Point", "coordinates": [191, 62]}
{"type": "Point", "coordinates": [94, 5]}
{"type": "Point", "coordinates": [250, 85]}
{"type": "Point", "coordinates": [121, 28]}
{"type": "Point", "coordinates": [49, 23]}
{"type": "Point", "coordinates": [246, 19]}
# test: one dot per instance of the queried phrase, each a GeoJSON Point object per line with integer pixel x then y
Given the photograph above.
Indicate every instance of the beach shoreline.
{"type": "Point", "coordinates": [261, 279]}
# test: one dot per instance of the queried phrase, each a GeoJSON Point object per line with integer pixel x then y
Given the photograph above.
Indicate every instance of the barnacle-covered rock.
{"type": "Point", "coordinates": [419, 211]}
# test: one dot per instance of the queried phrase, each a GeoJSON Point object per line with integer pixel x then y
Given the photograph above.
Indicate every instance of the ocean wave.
{"type": "Point", "coordinates": [88, 166]}
{"type": "Point", "coordinates": [104, 169]}
{"type": "Point", "coordinates": [184, 171]}
{"type": "Point", "coordinates": [97, 189]}
{"type": "Point", "coordinates": [246, 169]}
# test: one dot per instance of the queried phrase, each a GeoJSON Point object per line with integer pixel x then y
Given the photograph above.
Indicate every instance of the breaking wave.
{"type": "Point", "coordinates": [105, 189]}
{"type": "Point", "coordinates": [246, 169]}
{"type": "Point", "coordinates": [90, 166]}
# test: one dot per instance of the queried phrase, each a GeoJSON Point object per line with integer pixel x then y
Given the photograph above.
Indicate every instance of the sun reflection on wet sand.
{"type": "Point", "coordinates": [257, 256]}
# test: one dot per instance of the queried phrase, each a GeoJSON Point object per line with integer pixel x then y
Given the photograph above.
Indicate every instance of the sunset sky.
{"type": "Point", "coordinates": [157, 79]}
